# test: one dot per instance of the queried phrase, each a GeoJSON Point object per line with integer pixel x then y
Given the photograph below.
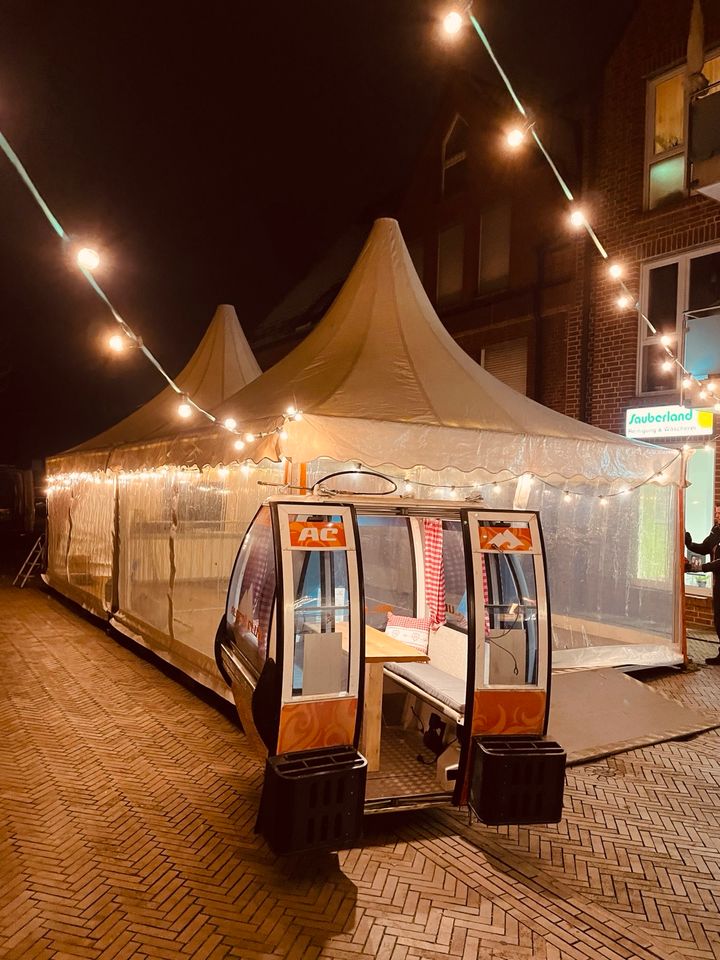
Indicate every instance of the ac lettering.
{"type": "Point", "coordinates": [324, 535]}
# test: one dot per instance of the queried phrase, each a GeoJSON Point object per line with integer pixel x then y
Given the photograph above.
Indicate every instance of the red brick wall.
{"type": "Point", "coordinates": [698, 612]}
{"type": "Point", "coordinates": [654, 41]}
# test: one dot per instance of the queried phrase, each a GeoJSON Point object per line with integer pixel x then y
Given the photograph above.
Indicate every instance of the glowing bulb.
{"type": "Point", "coordinates": [567, 498]}
{"type": "Point", "coordinates": [283, 434]}
{"type": "Point", "coordinates": [665, 340]}
{"type": "Point", "coordinates": [291, 411]}
{"type": "Point", "coordinates": [515, 137]}
{"type": "Point", "coordinates": [452, 23]}
{"type": "Point", "coordinates": [710, 387]}
{"type": "Point", "coordinates": [239, 444]}
{"type": "Point", "coordinates": [703, 394]}
{"type": "Point", "coordinates": [615, 271]}
{"type": "Point", "coordinates": [408, 488]}
{"type": "Point", "coordinates": [577, 218]}
{"type": "Point", "coordinates": [298, 415]}
{"type": "Point", "coordinates": [667, 365]}
{"type": "Point", "coordinates": [603, 501]}
{"type": "Point", "coordinates": [623, 302]}
{"type": "Point", "coordinates": [184, 410]}
{"type": "Point", "coordinates": [230, 423]}
{"type": "Point", "coordinates": [223, 472]}
{"type": "Point", "coordinates": [249, 437]}
{"type": "Point", "coordinates": [116, 343]}
{"type": "Point", "coordinates": [496, 488]}
{"type": "Point", "coordinates": [245, 469]}
{"type": "Point", "coordinates": [88, 259]}
{"type": "Point", "coordinates": [687, 383]}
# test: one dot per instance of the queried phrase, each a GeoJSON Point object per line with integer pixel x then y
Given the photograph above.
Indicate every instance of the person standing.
{"type": "Point", "coordinates": [711, 546]}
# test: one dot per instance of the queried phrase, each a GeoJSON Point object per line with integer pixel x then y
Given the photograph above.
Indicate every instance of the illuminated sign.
{"type": "Point", "coordinates": [505, 539]}
{"type": "Point", "coordinates": [314, 534]}
{"type": "Point", "coordinates": [644, 423]}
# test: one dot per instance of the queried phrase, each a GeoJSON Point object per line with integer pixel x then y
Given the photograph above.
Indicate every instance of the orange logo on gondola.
{"type": "Point", "coordinates": [506, 539]}
{"type": "Point", "coordinates": [312, 534]}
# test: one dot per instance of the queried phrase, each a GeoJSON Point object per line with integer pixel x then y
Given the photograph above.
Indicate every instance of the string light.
{"type": "Point", "coordinates": [239, 444]}
{"type": "Point", "coordinates": [567, 497]}
{"type": "Point", "coordinates": [88, 259]}
{"type": "Point", "coordinates": [249, 437]}
{"type": "Point", "coordinates": [230, 423]}
{"type": "Point", "coordinates": [603, 501]}
{"type": "Point", "coordinates": [515, 138]}
{"type": "Point", "coordinates": [283, 434]}
{"type": "Point", "coordinates": [687, 383]}
{"type": "Point", "coordinates": [577, 218]}
{"type": "Point", "coordinates": [117, 343]}
{"type": "Point", "coordinates": [615, 271]}
{"type": "Point", "coordinates": [452, 23]}
{"type": "Point", "coordinates": [623, 301]}
{"type": "Point", "coordinates": [667, 365]}
{"type": "Point", "coordinates": [496, 488]}
{"type": "Point", "coordinates": [184, 410]}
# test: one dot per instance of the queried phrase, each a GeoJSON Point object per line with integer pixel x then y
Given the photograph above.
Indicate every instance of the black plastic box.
{"type": "Point", "coordinates": [517, 780]}
{"type": "Point", "coordinates": [313, 800]}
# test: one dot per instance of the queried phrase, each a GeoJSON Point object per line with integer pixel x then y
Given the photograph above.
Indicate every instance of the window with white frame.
{"type": "Point", "coordinates": [454, 158]}
{"type": "Point", "coordinates": [666, 133]}
{"type": "Point", "coordinates": [671, 289]}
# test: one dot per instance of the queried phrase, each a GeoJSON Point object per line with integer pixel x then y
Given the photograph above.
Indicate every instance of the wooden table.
{"type": "Point", "coordinates": [379, 649]}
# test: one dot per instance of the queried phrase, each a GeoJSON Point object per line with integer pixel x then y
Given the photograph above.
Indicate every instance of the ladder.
{"type": "Point", "coordinates": [32, 562]}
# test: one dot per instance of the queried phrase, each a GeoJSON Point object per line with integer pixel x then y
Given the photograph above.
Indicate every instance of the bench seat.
{"type": "Point", "coordinates": [430, 683]}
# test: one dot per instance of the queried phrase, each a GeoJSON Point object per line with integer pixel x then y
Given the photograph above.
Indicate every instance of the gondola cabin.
{"type": "Point", "coordinates": [391, 653]}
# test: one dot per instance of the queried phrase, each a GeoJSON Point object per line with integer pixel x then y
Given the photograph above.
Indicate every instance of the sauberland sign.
{"type": "Point", "coordinates": [644, 423]}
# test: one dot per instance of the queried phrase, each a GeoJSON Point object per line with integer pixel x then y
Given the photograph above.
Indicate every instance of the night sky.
{"type": "Point", "coordinates": [212, 151]}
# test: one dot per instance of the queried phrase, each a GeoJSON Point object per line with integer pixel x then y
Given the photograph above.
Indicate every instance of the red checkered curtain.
{"type": "Point", "coordinates": [434, 571]}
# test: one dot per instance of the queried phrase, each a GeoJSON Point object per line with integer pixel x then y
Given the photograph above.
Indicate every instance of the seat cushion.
{"type": "Point", "coordinates": [436, 683]}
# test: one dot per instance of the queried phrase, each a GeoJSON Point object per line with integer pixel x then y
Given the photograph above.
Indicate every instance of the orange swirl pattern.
{"type": "Point", "coordinates": [318, 723]}
{"type": "Point", "coordinates": [498, 712]}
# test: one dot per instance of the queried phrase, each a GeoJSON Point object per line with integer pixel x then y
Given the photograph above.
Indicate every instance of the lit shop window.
{"type": "Point", "coordinates": [679, 297]}
{"type": "Point", "coordinates": [699, 498]}
{"type": "Point", "coordinates": [667, 134]}
{"type": "Point", "coordinates": [654, 526]}
{"type": "Point", "coordinates": [454, 158]}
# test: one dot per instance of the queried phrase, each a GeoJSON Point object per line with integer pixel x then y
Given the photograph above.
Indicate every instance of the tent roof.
{"type": "Point", "coordinates": [381, 381]}
{"type": "Point", "coordinates": [222, 364]}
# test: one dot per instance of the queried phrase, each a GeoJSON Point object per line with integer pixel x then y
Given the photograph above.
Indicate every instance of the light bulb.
{"type": "Point", "coordinates": [452, 23]}
{"type": "Point", "coordinates": [245, 469]}
{"type": "Point", "coordinates": [623, 302]}
{"type": "Point", "coordinates": [615, 271]}
{"type": "Point", "coordinates": [408, 488]}
{"type": "Point", "coordinates": [567, 498]}
{"type": "Point", "coordinates": [298, 415]}
{"type": "Point", "coordinates": [249, 437]}
{"type": "Point", "coordinates": [515, 137]}
{"type": "Point", "coordinates": [603, 501]}
{"type": "Point", "coordinates": [239, 444]}
{"type": "Point", "coordinates": [88, 259]}
{"type": "Point", "coordinates": [223, 472]}
{"type": "Point", "coordinates": [702, 394]}
{"type": "Point", "coordinates": [577, 218]}
{"type": "Point", "coordinates": [291, 411]}
{"type": "Point", "coordinates": [116, 343]}
{"type": "Point", "coordinates": [230, 423]}
{"type": "Point", "coordinates": [283, 434]}
{"type": "Point", "coordinates": [667, 365]}
{"type": "Point", "coordinates": [184, 410]}
{"type": "Point", "coordinates": [710, 387]}
{"type": "Point", "coordinates": [496, 488]}
{"type": "Point", "coordinates": [687, 383]}
{"type": "Point", "coordinates": [665, 340]}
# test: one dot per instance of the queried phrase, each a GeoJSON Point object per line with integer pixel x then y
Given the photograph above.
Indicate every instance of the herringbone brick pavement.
{"type": "Point", "coordinates": [126, 831]}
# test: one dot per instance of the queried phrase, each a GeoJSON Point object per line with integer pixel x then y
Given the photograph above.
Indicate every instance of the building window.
{"type": "Point", "coordinates": [454, 158]}
{"type": "Point", "coordinates": [494, 265]}
{"type": "Point", "coordinates": [451, 253]}
{"type": "Point", "coordinates": [508, 362]}
{"type": "Point", "coordinates": [665, 152]}
{"type": "Point", "coordinates": [671, 290]}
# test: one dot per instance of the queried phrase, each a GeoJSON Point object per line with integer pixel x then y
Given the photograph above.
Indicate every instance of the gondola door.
{"type": "Point", "coordinates": [511, 623]}
{"type": "Point", "coordinates": [320, 626]}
